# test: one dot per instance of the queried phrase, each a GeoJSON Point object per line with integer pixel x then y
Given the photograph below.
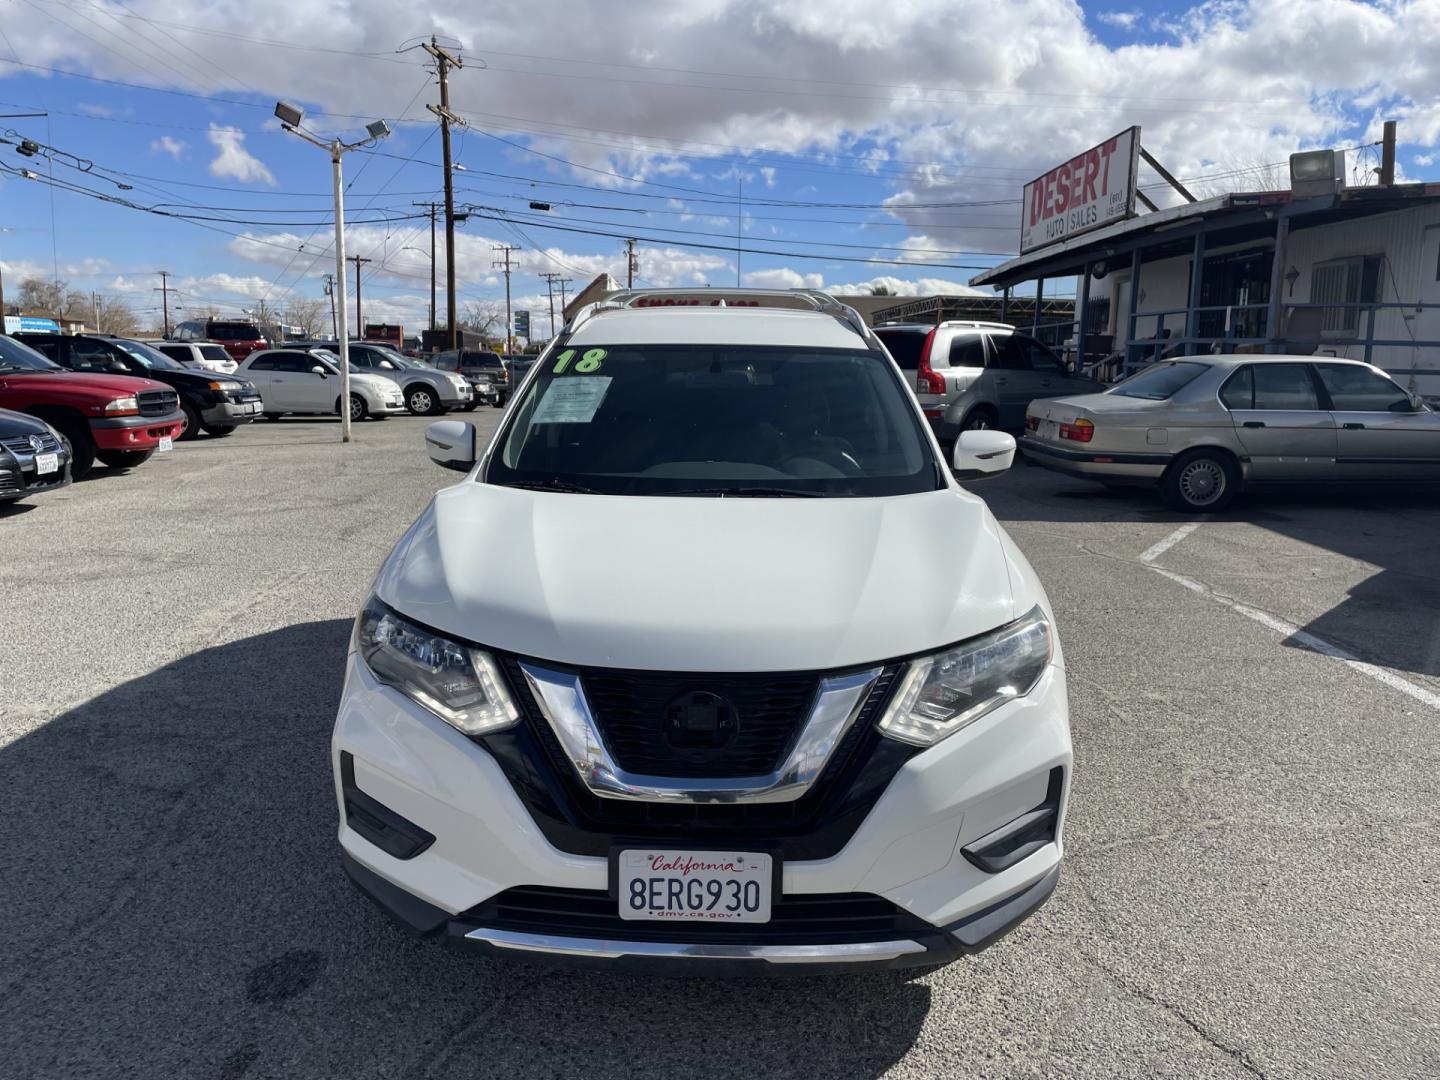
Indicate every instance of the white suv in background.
{"type": "Point", "coordinates": [308, 381]}
{"type": "Point", "coordinates": [667, 677]}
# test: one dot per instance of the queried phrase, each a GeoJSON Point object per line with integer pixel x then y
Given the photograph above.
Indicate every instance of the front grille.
{"type": "Point", "coordinates": [815, 826]}
{"type": "Point", "coordinates": [797, 919]}
{"type": "Point", "coordinates": [157, 402]}
{"type": "Point", "coordinates": [9, 482]}
{"type": "Point", "coordinates": [631, 711]}
{"type": "Point", "coordinates": [20, 444]}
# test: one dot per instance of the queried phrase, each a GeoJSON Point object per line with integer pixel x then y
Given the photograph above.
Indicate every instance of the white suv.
{"type": "Point", "coordinates": [674, 677]}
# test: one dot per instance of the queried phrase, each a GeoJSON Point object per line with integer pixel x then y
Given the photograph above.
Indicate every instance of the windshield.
{"type": "Point", "coordinates": [715, 421]}
{"type": "Point", "coordinates": [221, 331]}
{"type": "Point", "coordinates": [146, 356]}
{"type": "Point", "coordinates": [1160, 381]}
{"type": "Point", "coordinates": [16, 356]}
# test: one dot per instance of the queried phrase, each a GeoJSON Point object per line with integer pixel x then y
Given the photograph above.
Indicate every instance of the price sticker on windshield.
{"type": "Point", "coordinates": [589, 361]}
{"type": "Point", "coordinates": [571, 401]}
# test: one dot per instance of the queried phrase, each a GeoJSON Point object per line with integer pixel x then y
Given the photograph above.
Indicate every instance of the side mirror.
{"type": "Point", "coordinates": [318, 370]}
{"type": "Point", "coordinates": [1071, 367]}
{"type": "Point", "coordinates": [979, 454]}
{"type": "Point", "coordinates": [451, 444]}
{"type": "Point", "coordinates": [1417, 403]}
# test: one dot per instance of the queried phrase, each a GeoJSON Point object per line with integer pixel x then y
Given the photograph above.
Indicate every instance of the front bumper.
{"type": "Point", "coordinates": [385, 404]}
{"type": "Point", "coordinates": [232, 413]}
{"type": "Point", "coordinates": [909, 851]}
{"type": "Point", "coordinates": [1135, 468]}
{"type": "Point", "coordinates": [135, 432]}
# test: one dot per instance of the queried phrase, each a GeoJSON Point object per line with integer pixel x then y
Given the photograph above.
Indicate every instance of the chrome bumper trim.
{"type": "Point", "coordinates": [561, 698]}
{"type": "Point", "coordinates": [775, 954]}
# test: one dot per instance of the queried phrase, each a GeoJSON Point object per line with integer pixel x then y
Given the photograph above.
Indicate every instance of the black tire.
{"type": "Point", "coordinates": [82, 447]}
{"type": "Point", "coordinates": [497, 404]}
{"type": "Point", "coordinates": [220, 432]}
{"type": "Point", "coordinates": [124, 459]}
{"type": "Point", "coordinates": [1201, 482]}
{"type": "Point", "coordinates": [470, 407]}
{"type": "Point", "coordinates": [422, 400]}
{"type": "Point", "coordinates": [192, 427]}
{"type": "Point", "coordinates": [358, 409]}
{"type": "Point", "coordinates": [273, 416]}
{"type": "Point", "coordinates": [980, 418]}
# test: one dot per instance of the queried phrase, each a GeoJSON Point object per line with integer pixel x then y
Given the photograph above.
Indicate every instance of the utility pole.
{"type": "Point", "coordinates": [330, 292]}
{"type": "Point", "coordinates": [550, 290]}
{"type": "Point", "coordinates": [359, 322]}
{"type": "Point", "coordinates": [164, 301]}
{"type": "Point", "coordinates": [434, 209]}
{"type": "Point", "coordinates": [739, 220]}
{"type": "Point", "coordinates": [503, 263]}
{"type": "Point", "coordinates": [560, 284]}
{"type": "Point", "coordinates": [630, 263]}
{"type": "Point", "coordinates": [443, 63]}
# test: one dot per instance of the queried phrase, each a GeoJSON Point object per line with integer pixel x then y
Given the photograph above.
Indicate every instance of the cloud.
{"type": "Point", "coordinates": [167, 144]}
{"type": "Point", "coordinates": [1124, 20]}
{"type": "Point", "coordinates": [233, 161]}
{"type": "Point", "coordinates": [783, 278]}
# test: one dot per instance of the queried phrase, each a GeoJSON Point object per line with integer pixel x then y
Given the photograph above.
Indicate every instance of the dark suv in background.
{"type": "Point", "coordinates": [486, 371]}
{"type": "Point", "coordinates": [217, 403]}
{"type": "Point", "coordinates": [238, 337]}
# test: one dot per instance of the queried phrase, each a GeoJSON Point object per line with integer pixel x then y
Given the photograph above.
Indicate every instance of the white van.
{"type": "Point", "coordinates": [709, 662]}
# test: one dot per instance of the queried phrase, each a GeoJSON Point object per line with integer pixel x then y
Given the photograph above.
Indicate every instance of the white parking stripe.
{"type": "Point", "coordinates": [1302, 637]}
{"type": "Point", "coordinates": [1154, 551]}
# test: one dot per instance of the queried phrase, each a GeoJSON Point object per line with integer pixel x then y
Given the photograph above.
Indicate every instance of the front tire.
{"type": "Point", "coordinates": [421, 401]}
{"type": "Point", "coordinates": [191, 430]}
{"type": "Point", "coordinates": [1201, 482]}
{"type": "Point", "coordinates": [82, 448]}
{"type": "Point", "coordinates": [124, 459]}
{"type": "Point", "coordinates": [358, 408]}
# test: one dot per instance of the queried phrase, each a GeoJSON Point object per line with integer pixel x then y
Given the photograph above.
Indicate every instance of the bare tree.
{"type": "Point", "coordinates": [485, 317]}
{"type": "Point", "coordinates": [114, 315]}
{"type": "Point", "coordinates": [39, 296]}
{"type": "Point", "coordinates": [1244, 174]}
{"type": "Point", "coordinates": [306, 313]}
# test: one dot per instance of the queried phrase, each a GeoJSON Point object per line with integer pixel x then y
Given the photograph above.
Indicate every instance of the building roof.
{"type": "Point", "coordinates": [1226, 219]}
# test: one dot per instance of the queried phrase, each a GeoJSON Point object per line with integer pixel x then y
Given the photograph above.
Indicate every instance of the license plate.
{"type": "Point", "coordinates": [253, 407]}
{"type": "Point", "coordinates": [46, 463]}
{"type": "Point", "coordinates": [166, 443]}
{"type": "Point", "coordinates": [713, 886]}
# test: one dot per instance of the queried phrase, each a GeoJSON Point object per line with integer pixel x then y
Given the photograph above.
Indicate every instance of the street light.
{"type": "Point", "coordinates": [290, 118]}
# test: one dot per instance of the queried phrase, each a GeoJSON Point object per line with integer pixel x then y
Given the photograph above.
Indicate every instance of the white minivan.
{"type": "Point", "coordinates": [709, 663]}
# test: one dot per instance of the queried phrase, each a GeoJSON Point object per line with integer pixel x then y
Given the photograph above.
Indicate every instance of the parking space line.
{"type": "Point", "coordinates": [1301, 637]}
{"type": "Point", "coordinates": [1154, 551]}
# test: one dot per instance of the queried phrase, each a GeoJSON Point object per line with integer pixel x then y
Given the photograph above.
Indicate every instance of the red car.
{"type": "Point", "coordinates": [119, 419]}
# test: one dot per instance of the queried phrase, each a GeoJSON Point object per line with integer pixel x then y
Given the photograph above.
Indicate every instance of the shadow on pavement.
{"type": "Point", "coordinates": [1390, 528]}
{"type": "Point", "coordinates": [174, 906]}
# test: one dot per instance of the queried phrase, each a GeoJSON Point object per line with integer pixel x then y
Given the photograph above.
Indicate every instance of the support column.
{"type": "Point", "coordinates": [1005, 305]}
{"type": "Point", "coordinates": [1192, 314]}
{"type": "Point", "coordinates": [1082, 310]}
{"type": "Point", "coordinates": [1133, 306]}
{"type": "Point", "coordinates": [1039, 298]}
{"type": "Point", "coordinates": [1274, 332]}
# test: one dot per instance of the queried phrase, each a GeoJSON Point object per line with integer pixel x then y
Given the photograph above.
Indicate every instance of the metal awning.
{"type": "Point", "coordinates": [1236, 218]}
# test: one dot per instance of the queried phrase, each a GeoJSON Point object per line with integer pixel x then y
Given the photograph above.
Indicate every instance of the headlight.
{"type": "Point", "coordinates": [122, 406]}
{"type": "Point", "coordinates": [224, 386]}
{"type": "Point", "coordinates": [458, 684]}
{"type": "Point", "coordinates": [943, 693]}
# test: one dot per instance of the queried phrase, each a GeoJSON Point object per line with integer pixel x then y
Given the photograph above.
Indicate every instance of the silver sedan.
{"type": "Point", "coordinates": [1204, 428]}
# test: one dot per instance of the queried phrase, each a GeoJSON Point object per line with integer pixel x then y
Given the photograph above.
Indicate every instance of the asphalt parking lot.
{"type": "Point", "coordinates": [1252, 880]}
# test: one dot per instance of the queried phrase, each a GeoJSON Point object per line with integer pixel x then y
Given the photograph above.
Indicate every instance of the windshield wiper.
{"type": "Point", "coordinates": [746, 493]}
{"type": "Point", "coordinates": [554, 485]}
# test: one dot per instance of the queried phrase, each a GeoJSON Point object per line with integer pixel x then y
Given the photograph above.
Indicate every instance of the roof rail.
{"type": "Point", "coordinates": [818, 301]}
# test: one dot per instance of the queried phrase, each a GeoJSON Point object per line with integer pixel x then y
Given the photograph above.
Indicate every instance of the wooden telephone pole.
{"type": "Point", "coordinates": [359, 322]}
{"type": "Point", "coordinates": [444, 61]}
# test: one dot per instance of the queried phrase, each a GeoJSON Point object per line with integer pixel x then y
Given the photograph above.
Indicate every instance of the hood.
{"type": "Point", "coordinates": [93, 381]}
{"type": "Point", "coordinates": [14, 423]}
{"type": "Point", "coordinates": [702, 584]}
{"type": "Point", "coordinates": [187, 377]}
{"type": "Point", "coordinates": [375, 382]}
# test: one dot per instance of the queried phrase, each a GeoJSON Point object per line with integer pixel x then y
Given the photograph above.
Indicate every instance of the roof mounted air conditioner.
{"type": "Point", "coordinates": [1317, 172]}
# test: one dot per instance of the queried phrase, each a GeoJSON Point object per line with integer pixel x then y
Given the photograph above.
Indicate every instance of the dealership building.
{"type": "Point", "coordinates": [1323, 268]}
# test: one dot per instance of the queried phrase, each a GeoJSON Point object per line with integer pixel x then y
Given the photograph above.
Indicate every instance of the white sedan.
{"type": "Point", "coordinates": [308, 381]}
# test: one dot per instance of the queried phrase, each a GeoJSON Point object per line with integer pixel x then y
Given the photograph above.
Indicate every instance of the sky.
{"type": "Point", "coordinates": [846, 144]}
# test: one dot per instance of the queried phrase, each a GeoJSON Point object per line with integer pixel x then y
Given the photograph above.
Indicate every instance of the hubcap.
{"type": "Point", "coordinates": [355, 408]}
{"type": "Point", "coordinates": [420, 401]}
{"type": "Point", "coordinates": [1202, 482]}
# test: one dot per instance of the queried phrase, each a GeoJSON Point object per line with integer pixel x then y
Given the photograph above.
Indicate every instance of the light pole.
{"type": "Point", "coordinates": [290, 117]}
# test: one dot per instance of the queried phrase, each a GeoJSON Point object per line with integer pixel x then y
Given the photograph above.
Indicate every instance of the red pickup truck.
{"type": "Point", "coordinates": [119, 419]}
